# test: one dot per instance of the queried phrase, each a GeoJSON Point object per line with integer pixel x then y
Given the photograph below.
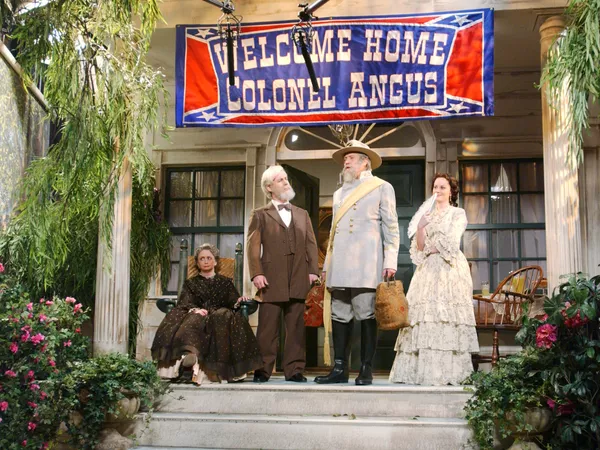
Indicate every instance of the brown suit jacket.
{"type": "Point", "coordinates": [268, 230]}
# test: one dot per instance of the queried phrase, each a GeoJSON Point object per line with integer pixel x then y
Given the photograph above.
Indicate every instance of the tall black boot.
{"type": "Point", "coordinates": [342, 334]}
{"type": "Point", "coordinates": [368, 344]}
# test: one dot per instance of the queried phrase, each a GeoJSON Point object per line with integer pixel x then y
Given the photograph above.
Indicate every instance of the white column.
{"type": "Point", "coordinates": [563, 228]}
{"type": "Point", "coordinates": [111, 312]}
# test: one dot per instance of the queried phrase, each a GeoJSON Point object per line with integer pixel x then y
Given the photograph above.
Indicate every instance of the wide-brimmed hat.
{"type": "Point", "coordinates": [355, 146]}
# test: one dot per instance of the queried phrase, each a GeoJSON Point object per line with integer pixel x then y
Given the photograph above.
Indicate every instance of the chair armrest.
{"type": "Point", "coordinates": [166, 304]}
{"type": "Point", "coordinates": [248, 307]}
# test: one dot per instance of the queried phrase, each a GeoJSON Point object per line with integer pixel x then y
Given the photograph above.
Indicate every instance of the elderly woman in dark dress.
{"type": "Point", "coordinates": [205, 331]}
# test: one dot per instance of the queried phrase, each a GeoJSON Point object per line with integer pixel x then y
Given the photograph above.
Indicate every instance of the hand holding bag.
{"type": "Point", "coordinates": [391, 307]}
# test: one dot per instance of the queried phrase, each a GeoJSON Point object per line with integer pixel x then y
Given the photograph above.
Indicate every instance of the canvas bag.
{"type": "Point", "coordinates": [391, 307]}
{"type": "Point", "coordinates": [313, 314]}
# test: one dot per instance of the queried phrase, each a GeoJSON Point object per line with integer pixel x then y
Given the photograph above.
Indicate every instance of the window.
{"type": "Point", "coordinates": [204, 205]}
{"type": "Point", "coordinates": [504, 202]}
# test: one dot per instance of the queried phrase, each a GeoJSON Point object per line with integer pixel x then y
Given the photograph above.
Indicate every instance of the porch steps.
{"type": "Point", "coordinates": [283, 415]}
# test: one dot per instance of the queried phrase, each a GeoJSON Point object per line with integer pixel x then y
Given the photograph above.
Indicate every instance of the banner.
{"type": "Point", "coordinates": [370, 69]}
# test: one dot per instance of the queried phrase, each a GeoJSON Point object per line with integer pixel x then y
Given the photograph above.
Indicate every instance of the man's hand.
{"type": "Point", "coordinates": [260, 282]}
{"type": "Point", "coordinates": [323, 277]}
{"type": "Point", "coordinates": [388, 274]}
{"type": "Point", "coordinates": [312, 278]}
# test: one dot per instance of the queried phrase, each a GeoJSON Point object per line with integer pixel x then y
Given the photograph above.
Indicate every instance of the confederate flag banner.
{"type": "Point", "coordinates": [369, 69]}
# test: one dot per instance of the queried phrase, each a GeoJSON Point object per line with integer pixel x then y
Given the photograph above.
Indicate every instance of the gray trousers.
{"type": "Point", "coordinates": [352, 303]}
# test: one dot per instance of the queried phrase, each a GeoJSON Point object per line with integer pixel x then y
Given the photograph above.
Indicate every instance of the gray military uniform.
{"type": "Point", "coordinates": [366, 241]}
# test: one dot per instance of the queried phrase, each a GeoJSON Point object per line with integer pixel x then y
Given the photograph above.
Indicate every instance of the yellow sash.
{"type": "Point", "coordinates": [361, 190]}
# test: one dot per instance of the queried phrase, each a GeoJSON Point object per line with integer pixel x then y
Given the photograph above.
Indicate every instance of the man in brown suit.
{"type": "Point", "coordinates": [282, 255]}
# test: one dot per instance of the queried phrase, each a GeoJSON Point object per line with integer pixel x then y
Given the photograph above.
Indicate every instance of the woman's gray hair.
{"type": "Point", "coordinates": [268, 176]}
{"type": "Point", "coordinates": [211, 248]}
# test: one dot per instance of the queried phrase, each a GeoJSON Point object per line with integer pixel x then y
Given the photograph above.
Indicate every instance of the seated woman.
{"type": "Point", "coordinates": [205, 331]}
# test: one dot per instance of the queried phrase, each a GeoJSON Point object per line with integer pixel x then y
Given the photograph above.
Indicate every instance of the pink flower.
{"type": "Point", "coordinates": [49, 303]}
{"type": "Point", "coordinates": [70, 300]}
{"type": "Point", "coordinates": [36, 360]}
{"type": "Point", "coordinates": [544, 317]}
{"type": "Point", "coordinates": [52, 363]}
{"type": "Point", "coordinates": [10, 374]}
{"type": "Point", "coordinates": [551, 403]}
{"type": "Point", "coordinates": [33, 405]}
{"type": "Point", "coordinates": [77, 308]}
{"type": "Point", "coordinates": [14, 348]}
{"type": "Point", "coordinates": [545, 335]}
{"type": "Point", "coordinates": [37, 339]}
{"type": "Point", "coordinates": [30, 307]}
{"type": "Point", "coordinates": [3, 406]}
{"type": "Point", "coordinates": [1, 268]}
{"type": "Point", "coordinates": [574, 322]}
{"type": "Point", "coordinates": [42, 300]}
{"type": "Point", "coordinates": [43, 395]}
{"type": "Point", "coordinates": [24, 443]}
{"type": "Point", "coordinates": [30, 374]}
{"type": "Point", "coordinates": [31, 426]}
{"type": "Point", "coordinates": [566, 409]}
{"type": "Point", "coordinates": [26, 328]}
{"type": "Point", "coordinates": [67, 343]}
{"type": "Point", "coordinates": [78, 330]}
{"type": "Point", "coordinates": [30, 316]}
{"type": "Point", "coordinates": [34, 387]}
{"type": "Point", "coordinates": [25, 336]}
{"type": "Point", "coordinates": [43, 348]}
{"type": "Point", "coordinates": [44, 446]}
{"type": "Point", "coordinates": [43, 318]}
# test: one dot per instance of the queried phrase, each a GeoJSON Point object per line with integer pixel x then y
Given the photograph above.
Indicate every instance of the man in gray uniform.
{"type": "Point", "coordinates": [364, 251]}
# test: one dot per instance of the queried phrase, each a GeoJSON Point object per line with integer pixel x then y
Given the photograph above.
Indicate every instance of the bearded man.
{"type": "Point", "coordinates": [283, 260]}
{"type": "Point", "coordinates": [363, 251]}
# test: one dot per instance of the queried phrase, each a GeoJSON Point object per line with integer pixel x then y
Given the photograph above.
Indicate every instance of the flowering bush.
{"type": "Point", "coordinates": [46, 373]}
{"type": "Point", "coordinates": [38, 341]}
{"type": "Point", "coordinates": [568, 339]}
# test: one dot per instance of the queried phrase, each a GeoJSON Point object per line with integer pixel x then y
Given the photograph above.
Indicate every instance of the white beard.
{"type": "Point", "coordinates": [348, 175]}
{"type": "Point", "coordinates": [288, 195]}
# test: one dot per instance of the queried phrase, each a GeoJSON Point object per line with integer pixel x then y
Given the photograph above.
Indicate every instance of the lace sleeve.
{"type": "Point", "coordinates": [417, 256]}
{"type": "Point", "coordinates": [447, 239]}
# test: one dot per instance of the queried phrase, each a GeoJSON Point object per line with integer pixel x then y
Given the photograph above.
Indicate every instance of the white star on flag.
{"type": "Point", "coordinates": [207, 116]}
{"type": "Point", "coordinates": [458, 107]}
{"type": "Point", "coordinates": [461, 20]}
{"type": "Point", "coordinates": [203, 32]}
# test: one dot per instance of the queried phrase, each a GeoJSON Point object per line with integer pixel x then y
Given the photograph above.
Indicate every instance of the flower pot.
{"type": "Point", "coordinates": [539, 419]}
{"type": "Point", "coordinates": [127, 408]}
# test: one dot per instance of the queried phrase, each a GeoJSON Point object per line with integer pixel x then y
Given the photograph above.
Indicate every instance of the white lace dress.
{"type": "Point", "coordinates": [436, 348]}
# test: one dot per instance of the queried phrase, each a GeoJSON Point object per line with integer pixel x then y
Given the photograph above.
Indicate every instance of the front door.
{"type": "Point", "coordinates": [408, 180]}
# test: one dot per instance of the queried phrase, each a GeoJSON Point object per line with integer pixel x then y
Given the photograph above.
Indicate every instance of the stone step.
{"type": "Point", "coordinates": [254, 431]}
{"type": "Point", "coordinates": [278, 397]}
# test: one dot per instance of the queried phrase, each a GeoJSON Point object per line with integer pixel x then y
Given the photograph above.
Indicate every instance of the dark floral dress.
{"type": "Point", "coordinates": [223, 340]}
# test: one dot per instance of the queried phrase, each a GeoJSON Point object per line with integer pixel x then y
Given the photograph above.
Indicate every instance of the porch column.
{"type": "Point", "coordinates": [111, 312]}
{"type": "Point", "coordinates": [563, 228]}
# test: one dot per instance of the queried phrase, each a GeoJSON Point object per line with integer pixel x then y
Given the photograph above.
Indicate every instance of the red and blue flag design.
{"type": "Point", "coordinates": [370, 69]}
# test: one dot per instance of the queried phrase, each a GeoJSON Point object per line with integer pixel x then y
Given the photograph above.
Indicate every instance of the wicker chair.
{"type": "Point", "coordinates": [503, 310]}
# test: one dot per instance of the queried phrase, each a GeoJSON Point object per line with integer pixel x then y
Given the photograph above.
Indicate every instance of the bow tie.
{"type": "Point", "coordinates": [284, 206]}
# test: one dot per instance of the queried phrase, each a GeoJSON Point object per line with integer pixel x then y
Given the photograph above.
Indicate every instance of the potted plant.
{"type": "Point", "coordinates": [507, 401]}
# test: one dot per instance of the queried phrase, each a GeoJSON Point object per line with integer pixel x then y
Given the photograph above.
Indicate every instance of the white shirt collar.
{"type": "Point", "coordinates": [365, 174]}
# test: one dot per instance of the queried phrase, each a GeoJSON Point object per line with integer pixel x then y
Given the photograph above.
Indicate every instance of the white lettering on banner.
{"type": "Point", "coordinates": [264, 60]}
{"type": "Point", "coordinates": [283, 60]}
{"type": "Point", "coordinates": [220, 52]}
{"type": "Point", "coordinates": [249, 59]}
{"type": "Point", "coordinates": [323, 51]}
{"type": "Point", "coordinates": [262, 105]}
{"type": "Point", "coordinates": [430, 87]}
{"type": "Point", "coordinates": [439, 39]}
{"type": "Point", "coordinates": [377, 88]}
{"type": "Point", "coordinates": [285, 95]}
{"type": "Point", "coordinates": [344, 53]}
{"type": "Point", "coordinates": [395, 96]}
{"type": "Point", "coordinates": [416, 54]}
{"type": "Point", "coordinates": [393, 35]}
{"type": "Point", "coordinates": [369, 55]}
{"type": "Point", "coordinates": [357, 79]}
{"type": "Point", "coordinates": [414, 98]}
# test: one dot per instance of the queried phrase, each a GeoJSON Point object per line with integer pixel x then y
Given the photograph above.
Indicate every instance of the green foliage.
{"type": "Point", "coordinates": [106, 100]}
{"type": "Point", "coordinates": [503, 396]}
{"type": "Point", "coordinates": [47, 376]}
{"type": "Point", "coordinates": [94, 387]}
{"type": "Point", "coordinates": [574, 65]}
{"type": "Point", "coordinates": [560, 364]}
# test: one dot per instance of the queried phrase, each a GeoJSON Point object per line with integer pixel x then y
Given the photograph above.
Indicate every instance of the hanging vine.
{"type": "Point", "coordinates": [575, 65]}
{"type": "Point", "coordinates": [91, 57]}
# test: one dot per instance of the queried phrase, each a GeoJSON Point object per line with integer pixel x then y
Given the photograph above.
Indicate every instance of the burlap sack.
{"type": "Point", "coordinates": [391, 307]}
